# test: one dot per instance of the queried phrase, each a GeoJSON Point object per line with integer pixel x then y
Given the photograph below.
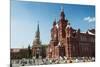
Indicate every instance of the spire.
{"type": "Point", "coordinates": [62, 9]}
{"type": "Point", "coordinates": [38, 27]}
{"type": "Point", "coordinates": [36, 41]}
{"type": "Point", "coordinates": [37, 32]}
{"type": "Point", "coordinates": [62, 15]}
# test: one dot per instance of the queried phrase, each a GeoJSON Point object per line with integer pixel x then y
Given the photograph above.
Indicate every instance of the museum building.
{"type": "Point", "coordinates": [69, 42]}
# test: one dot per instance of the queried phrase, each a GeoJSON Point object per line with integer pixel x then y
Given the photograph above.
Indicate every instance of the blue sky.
{"type": "Point", "coordinates": [25, 15]}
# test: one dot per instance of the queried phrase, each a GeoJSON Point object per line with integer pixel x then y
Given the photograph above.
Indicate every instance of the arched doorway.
{"type": "Point", "coordinates": [61, 51]}
{"type": "Point", "coordinates": [37, 53]}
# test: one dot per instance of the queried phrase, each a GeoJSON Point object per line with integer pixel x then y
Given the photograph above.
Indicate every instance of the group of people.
{"type": "Point", "coordinates": [46, 61]}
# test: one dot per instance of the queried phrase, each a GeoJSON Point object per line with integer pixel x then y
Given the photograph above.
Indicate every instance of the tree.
{"type": "Point", "coordinates": [29, 52]}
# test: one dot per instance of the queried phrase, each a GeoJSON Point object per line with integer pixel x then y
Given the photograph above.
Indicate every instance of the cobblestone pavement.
{"type": "Point", "coordinates": [30, 62]}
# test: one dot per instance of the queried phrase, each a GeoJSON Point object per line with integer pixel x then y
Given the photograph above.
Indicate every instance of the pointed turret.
{"type": "Point", "coordinates": [62, 15]}
{"type": "Point", "coordinates": [37, 36]}
{"type": "Point", "coordinates": [37, 32]}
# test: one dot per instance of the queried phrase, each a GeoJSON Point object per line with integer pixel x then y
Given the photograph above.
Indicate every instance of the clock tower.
{"type": "Point", "coordinates": [36, 48]}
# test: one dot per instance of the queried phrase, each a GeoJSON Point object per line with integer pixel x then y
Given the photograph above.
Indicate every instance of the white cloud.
{"type": "Point", "coordinates": [89, 19]}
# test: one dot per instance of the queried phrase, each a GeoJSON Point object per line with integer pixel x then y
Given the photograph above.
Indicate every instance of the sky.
{"type": "Point", "coordinates": [26, 15]}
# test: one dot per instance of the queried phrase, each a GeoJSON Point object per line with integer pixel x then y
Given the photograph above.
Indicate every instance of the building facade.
{"type": "Point", "coordinates": [65, 42]}
{"type": "Point", "coordinates": [69, 42]}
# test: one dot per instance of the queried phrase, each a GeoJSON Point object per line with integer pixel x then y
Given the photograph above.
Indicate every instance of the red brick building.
{"type": "Point", "coordinates": [69, 42]}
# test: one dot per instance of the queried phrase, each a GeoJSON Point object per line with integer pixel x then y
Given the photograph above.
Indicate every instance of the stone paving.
{"type": "Point", "coordinates": [30, 62]}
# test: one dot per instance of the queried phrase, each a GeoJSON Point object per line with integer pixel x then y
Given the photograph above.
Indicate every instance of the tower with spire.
{"type": "Point", "coordinates": [62, 15]}
{"type": "Point", "coordinates": [36, 48]}
{"type": "Point", "coordinates": [62, 23]}
{"type": "Point", "coordinates": [37, 36]}
{"type": "Point", "coordinates": [58, 36]}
